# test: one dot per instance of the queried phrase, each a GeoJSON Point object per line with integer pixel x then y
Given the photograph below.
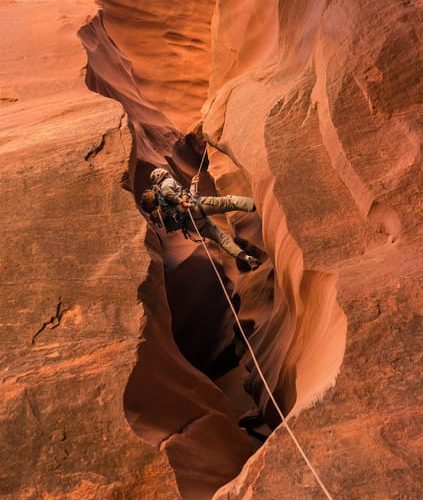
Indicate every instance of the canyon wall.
{"type": "Point", "coordinates": [169, 49]}
{"type": "Point", "coordinates": [332, 148]}
{"type": "Point", "coordinates": [98, 398]}
{"type": "Point", "coordinates": [117, 377]}
{"type": "Point", "coordinates": [72, 259]}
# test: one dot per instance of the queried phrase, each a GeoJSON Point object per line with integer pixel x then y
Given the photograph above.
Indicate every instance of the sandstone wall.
{"type": "Point", "coordinates": [113, 369]}
{"type": "Point", "coordinates": [72, 258]}
{"type": "Point", "coordinates": [333, 142]}
{"type": "Point", "coordinates": [169, 48]}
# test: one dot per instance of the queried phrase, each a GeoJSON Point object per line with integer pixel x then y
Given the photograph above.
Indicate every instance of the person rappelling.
{"type": "Point", "coordinates": [170, 206]}
{"type": "Point", "coordinates": [173, 208]}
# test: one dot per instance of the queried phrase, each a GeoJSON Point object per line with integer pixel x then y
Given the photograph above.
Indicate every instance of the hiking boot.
{"type": "Point", "coordinates": [247, 262]}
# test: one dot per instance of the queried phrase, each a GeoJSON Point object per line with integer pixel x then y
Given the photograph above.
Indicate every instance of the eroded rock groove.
{"type": "Point", "coordinates": [189, 343]}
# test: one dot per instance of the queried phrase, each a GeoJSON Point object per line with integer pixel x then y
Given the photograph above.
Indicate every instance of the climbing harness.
{"type": "Point", "coordinates": [162, 213]}
{"type": "Point", "coordinates": [189, 236]}
{"type": "Point", "coordinates": [253, 356]}
{"type": "Point", "coordinates": [168, 215]}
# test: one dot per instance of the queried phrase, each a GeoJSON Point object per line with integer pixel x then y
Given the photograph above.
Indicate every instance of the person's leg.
{"type": "Point", "coordinates": [211, 205]}
{"type": "Point", "coordinates": [211, 231]}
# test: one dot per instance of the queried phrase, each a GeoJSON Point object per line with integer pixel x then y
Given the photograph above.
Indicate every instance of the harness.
{"type": "Point", "coordinates": [170, 216]}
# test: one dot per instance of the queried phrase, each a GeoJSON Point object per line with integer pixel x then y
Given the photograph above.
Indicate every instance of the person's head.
{"type": "Point", "coordinates": [157, 175]}
{"type": "Point", "coordinates": [148, 201]}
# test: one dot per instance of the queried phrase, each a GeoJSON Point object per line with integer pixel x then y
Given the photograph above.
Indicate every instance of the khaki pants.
{"type": "Point", "coordinates": [212, 205]}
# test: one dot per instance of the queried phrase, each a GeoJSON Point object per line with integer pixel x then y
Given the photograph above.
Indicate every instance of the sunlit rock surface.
{"type": "Point", "coordinates": [332, 148]}
{"type": "Point", "coordinates": [168, 402]}
{"type": "Point", "coordinates": [112, 337]}
{"type": "Point", "coordinates": [168, 44]}
{"type": "Point", "coordinates": [72, 258]}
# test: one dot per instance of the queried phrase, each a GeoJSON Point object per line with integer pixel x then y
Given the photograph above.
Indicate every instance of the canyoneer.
{"type": "Point", "coordinates": [167, 204]}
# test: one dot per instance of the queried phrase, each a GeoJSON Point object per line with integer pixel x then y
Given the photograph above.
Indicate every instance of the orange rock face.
{"type": "Point", "coordinates": [121, 372]}
{"type": "Point", "coordinates": [332, 150]}
{"type": "Point", "coordinates": [169, 48]}
{"type": "Point", "coordinates": [72, 257]}
{"type": "Point", "coordinates": [168, 402]}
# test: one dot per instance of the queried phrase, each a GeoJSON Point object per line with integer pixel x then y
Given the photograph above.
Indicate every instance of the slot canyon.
{"type": "Point", "coordinates": [123, 372]}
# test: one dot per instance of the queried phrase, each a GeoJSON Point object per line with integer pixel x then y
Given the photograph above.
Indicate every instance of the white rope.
{"type": "Point", "coordinates": [253, 356]}
{"type": "Point", "coordinates": [202, 160]}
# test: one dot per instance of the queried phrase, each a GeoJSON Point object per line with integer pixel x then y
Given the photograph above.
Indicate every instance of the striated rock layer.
{"type": "Point", "coordinates": [97, 370]}
{"type": "Point", "coordinates": [332, 149]}
{"type": "Point", "coordinates": [169, 48]}
{"type": "Point", "coordinates": [116, 379]}
{"type": "Point", "coordinates": [298, 152]}
{"type": "Point", "coordinates": [168, 402]}
{"type": "Point", "coordinates": [72, 258]}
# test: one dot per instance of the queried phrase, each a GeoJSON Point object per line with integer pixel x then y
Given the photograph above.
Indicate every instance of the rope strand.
{"type": "Point", "coordinates": [253, 356]}
{"type": "Point", "coordinates": [202, 160]}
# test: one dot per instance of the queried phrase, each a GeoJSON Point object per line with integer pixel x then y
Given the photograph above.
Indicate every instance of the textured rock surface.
{"type": "Point", "coordinates": [72, 258]}
{"type": "Point", "coordinates": [79, 243]}
{"type": "Point", "coordinates": [314, 107]}
{"type": "Point", "coordinates": [336, 124]}
{"type": "Point", "coordinates": [169, 47]}
{"type": "Point", "coordinates": [168, 402]}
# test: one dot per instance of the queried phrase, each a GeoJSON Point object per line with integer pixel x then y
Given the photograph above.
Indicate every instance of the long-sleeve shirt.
{"type": "Point", "coordinates": [172, 190]}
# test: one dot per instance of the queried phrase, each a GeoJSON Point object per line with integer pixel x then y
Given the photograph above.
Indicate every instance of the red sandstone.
{"type": "Point", "coordinates": [107, 355]}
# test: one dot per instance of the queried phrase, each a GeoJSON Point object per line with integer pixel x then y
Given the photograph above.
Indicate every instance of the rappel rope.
{"type": "Point", "coordinates": [253, 356]}
{"type": "Point", "coordinates": [202, 160]}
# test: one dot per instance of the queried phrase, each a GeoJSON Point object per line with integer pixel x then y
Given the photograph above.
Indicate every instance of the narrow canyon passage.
{"type": "Point", "coordinates": [194, 379]}
{"type": "Point", "coordinates": [122, 374]}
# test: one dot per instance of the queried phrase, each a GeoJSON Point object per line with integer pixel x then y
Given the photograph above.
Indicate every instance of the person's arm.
{"type": "Point", "coordinates": [170, 189]}
{"type": "Point", "coordinates": [170, 195]}
{"type": "Point", "coordinates": [194, 185]}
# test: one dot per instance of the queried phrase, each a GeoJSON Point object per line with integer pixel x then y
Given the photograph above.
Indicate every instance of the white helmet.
{"type": "Point", "coordinates": [157, 175]}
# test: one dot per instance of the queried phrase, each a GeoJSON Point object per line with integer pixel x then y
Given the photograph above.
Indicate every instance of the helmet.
{"type": "Point", "coordinates": [148, 201]}
{"type": "Point", "coordinates": [157, 175]}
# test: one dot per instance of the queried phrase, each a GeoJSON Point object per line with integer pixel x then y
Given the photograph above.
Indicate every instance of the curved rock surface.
{"type": "Point", "coordinates": [72, 258]}
{"type": "Point", "coordinates": [332, 148]}
{"type": "Point", "coordinates": [169, 48]}
{"type": "Point", "coordinates": [167, 401]}
{"type": "Point", "coordinates": [122, 374]}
